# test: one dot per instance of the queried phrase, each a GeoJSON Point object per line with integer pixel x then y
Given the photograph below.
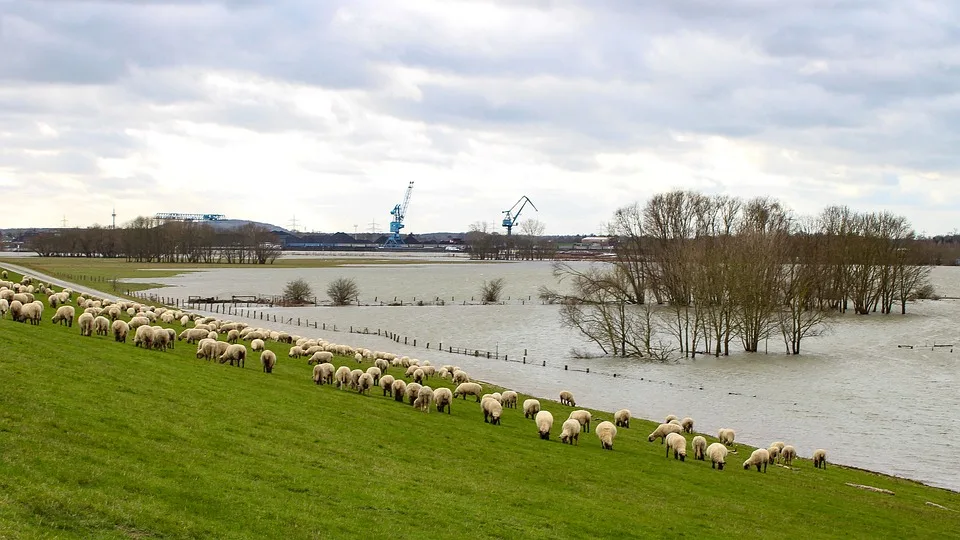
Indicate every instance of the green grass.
{"type": "Point", "coordinates": [104, 440]}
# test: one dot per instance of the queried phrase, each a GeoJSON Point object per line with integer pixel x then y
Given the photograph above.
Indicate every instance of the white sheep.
{"type": "Point", "coordinates": [566, 398]}
{"type": "Point", "coordinates": [424, 398]}
{"type": "Point", "coordinates": [621, 418]}
{"type": "Point", "coordinates": [342, 377]}
{"type": "Point", "coordinates": [32, 311]}
{"type": "Point", "coordinates": [582, 416]}
{"type": "Point", "coordinates": [207, 349]}
{"type": "Point", "coordinates": [85, 320]}
{"type": "Point", "coordinates": [699, 447]}
{"type": "Point", "coordinates": [491, 411]}
{"type": "Point", "coordinates": [382, 364]}
{"type": "Point", "coordinates": [374, 372]}
{"type": "Point", "coordinates": [669, 418]}
{"type": "Point", "coordinates": [319, 357]}
{"type": "Point", "coordinates": [531, 407]}
{"type": "Point", "coordinates": [678, 444]}
{"type": "Point", "coordinates": [509, 399]}
{"type": "Point", "coordinates": [120, 331]}
{"type": "Point", "coordinates": [717, 453]}
{"type": "Point", "coordinates": [386, 383]}
{"type": "Point", "coordinates": [544, 422]}
{"type": "Point", "coordinates": [64, 315]}
{"type": "Point", "coordinates": [460, 376]}
{"type": "Point", "coordinates": [443, 397]}
{"type": "Point", "coordinates": [759, 458]}
{"type": "Point", "coordinates": [364, 383]}
{"type": "Point", "coordinates": [256, 345]}
{"type": "Point", "coordinates": [662, 431]}
{"type": "Point", "coordinates": [323, 373]}
{"type": "Point", "coordinates": [101, 325]}
{"type": "Point", "coordinates": [4, 307]}
{"type": "Point", "coordinates": [268, 359]}
{"type": "Point", "coordinates": [355, 378]}
{"type": "Point", "coordinates": [358, 357]}
{"type": "Point", "coordinates": [726, 436]}
{"type": "Point", "coordinates": [468, 388]}
{"type": "Point", "coordinates": [820, 458]}
{"type": "Point", "coordinates": [236, 354]}
{"type": "Point", "coordinates": [570, 431]}
{"type": "Point", "coordinates": [161, 339]}
{"type": "Point", "coordinates": [606, 432]}
{"type": "Point", "coordinates": [399, 388]}
{"type": "Point", "coordinates": [774, 452]}
{"type": "Point", "coordinates": [787, 454]}
{"type": "Point", "coordinates": [687, 424]}
{"type": "Point", "coordinates": [413, 390]}
{"type": "Point", "coordinates": [418, 375]}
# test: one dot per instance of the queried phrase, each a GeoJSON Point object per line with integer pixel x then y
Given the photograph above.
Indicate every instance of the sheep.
{"type": "Point", "coordinates": [460, 376]}
{"type": "Point", "coordinates": [382, 364]}
{"type": "Point", "coordinates": [85, 320]}
{"type": "Point", "coordinates": [726, 436]}
{"type": "Point", "coordinates": [364, 383]}
{"type": "Point", "coordinates": [64, 315]}
{"type": "Point", "coordinates": [222, 347]}
{"type": "Point", "coordinates": [759, 457]}
{"type": "Point", "coordinates": [717, 453]}
{"type": "Point", "coordinates": [294, 351]}
{"type": "Point", "coordinates": [622, 418]}
{"type": "Point", "coordinates": [136, 322]}
{"type": "Point", "coordinates": [323, 373]}
{"type": "Point", "coordinates": [15, 307]}
{"type": "Point", "coordinates": [386, 383]}
{"type": "Point", "coordinates": [235, 353]}
{"type": "Point", "coordinates": [443, 397]}
{"type": "Point", "coordinates": [319, 357]}
{"type": "Point", "coordinates": [468, 388]}
{"type": "Point", "coordinates": [687, 425]}
{"type": "Point", "coordinates": [779, 445]}
{"type": "Point", "coordinates": [699, 447]}
{"type": "Point", "coordinates": [566, 398]}
{"type": "Point", "coordinates": [32, 312]}
{"type": "Point", "coordinates": [606, 432]}
{"type": "Point", "coordinates": [3, 274]}
{"type": "Point", "coordinates": [53, 300]}
{"type": "Point", "coordinates": [820, 458]}
{"type": "Point", "coordinates": [101, 324]}
{"type": "Point", "coordinates": [192, 335]}
{"type": "Point", "coordinates": [509, 399]}
{"type": "Point", "coordinates": [662, 431]}
{"type": "Point", "coordinates": [787, 455]}
{"type": "Point", "coordinates": [544, 422]}
{"type": "Point", "coordinates": [412, 391]}
{"type": "Point", "coordinates": [399, 389]}
{"type": "Point", "coordinates": [491, 411]}
{"type": "Point", "coordinates": [418, 376]}
{"type": "Point", "coordinates": [4, 307]}
{"type": "Point", "coordinates": [531, 407]}
{"type": "Point", "coordinates": [374, 372]}
{"type": "Point", "coordinates": [570, 432]}
{"type": "Point", "coordinates": [774, 452]}
{"type": "Point", "coordinates": [358, 357]}
{"type": "Point", "coordinates": [256, 345]}
{"type": "Point", "coordinates": [424, 398]}
{"type": "Point", "coordinates": [342, 377]}
{"type": "Point", "coordinates": [678, 444]}
{"type": "Point", "coordinates": [268, 359]}
{"type": "Point", "coordinates": [669, 418]}
{"type": "Point", "coordinates": [355, 378]}
{"type": "Point", "coordinates": [120, 331]}
{"type": "Point", "coordinates": [160, 338]}
{"type": "Point", "coordinates": [206, 349]}
{"type": "Point", "coordinates": [582, 416]}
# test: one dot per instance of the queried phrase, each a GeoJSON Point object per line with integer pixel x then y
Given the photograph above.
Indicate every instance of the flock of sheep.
{"type": "Point", "coordinates": [103, 317]}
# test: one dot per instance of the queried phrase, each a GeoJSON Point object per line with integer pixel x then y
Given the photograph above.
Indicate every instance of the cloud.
{"type": "Point", "coordinates": [325, 110]}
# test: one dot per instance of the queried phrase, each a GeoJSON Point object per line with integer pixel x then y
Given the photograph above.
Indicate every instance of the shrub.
{"type": "Point", "coordinates": [491, 291]}
{"type": "Point", "coordinates": [297, 291]}
{"type": "Point", "coordinates": [343, 291]}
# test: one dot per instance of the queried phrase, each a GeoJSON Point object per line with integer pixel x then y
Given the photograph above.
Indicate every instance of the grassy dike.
{"type": "Point", "coordinates": [105, 440]}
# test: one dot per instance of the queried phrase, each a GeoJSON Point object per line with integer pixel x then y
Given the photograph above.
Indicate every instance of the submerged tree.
{"type": "Point", "coordinates": [343, 291]}
{"type": "Point", "coordinates": [297, 291]}
{"type": "Point", "coordinates": [491, 291]}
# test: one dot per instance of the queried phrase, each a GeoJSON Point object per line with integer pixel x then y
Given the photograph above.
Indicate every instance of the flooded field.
{"type": "Point", "coordinates": [858, 391]}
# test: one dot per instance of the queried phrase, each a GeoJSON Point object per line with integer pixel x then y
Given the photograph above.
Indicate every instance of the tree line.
{"type": "Point", "coordinates": [693, 273]}
{"type": "Point", "coordinates": [149, 240]}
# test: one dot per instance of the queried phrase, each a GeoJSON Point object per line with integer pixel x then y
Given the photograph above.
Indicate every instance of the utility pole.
{"type": "Point", "coordinates": [114, 216]}
{"type": "Point", "coordinates": [373, 227]}
{"type": "Point", "coordinates": [293, 223]}
{"type": "Point", "coordinates": [63, 222]}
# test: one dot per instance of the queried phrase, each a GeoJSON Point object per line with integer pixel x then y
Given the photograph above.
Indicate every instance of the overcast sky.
{"type": "Point", "coordinates": [325, 110]}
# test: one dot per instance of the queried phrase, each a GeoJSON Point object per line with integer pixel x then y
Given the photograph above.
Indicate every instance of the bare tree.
{"type": "Point", "coordinates": [532, 228]}
{"type": "Point", "coordinates": [297, 291]}
{"type": "Point", "coordinates": [343, 291]}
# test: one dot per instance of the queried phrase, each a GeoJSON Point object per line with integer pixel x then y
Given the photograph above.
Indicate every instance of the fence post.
{"type": "Point", "coordinates": [565, 367]}
{"type": "Point", "coordinates": [414, 342]}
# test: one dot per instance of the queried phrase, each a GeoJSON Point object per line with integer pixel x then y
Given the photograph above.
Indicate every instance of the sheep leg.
{"type": "Point", "coordinates": [668, 453]}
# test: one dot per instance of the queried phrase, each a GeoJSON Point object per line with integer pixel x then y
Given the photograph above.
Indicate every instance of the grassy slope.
{"type": "Point", "coordinates": [104, 439]}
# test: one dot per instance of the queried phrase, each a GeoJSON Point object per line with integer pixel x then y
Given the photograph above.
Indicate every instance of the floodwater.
{"type": "Point", "coordinates": [857, 391]}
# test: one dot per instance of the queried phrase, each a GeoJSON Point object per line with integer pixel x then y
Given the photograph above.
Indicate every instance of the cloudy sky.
{"type": "Point", "coordinates": [325, 110]}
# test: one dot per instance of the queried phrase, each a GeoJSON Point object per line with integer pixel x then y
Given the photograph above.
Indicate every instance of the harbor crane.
{"type": "Point", "coordinates": [510, 218]}
{"type": "Point", "coordinates": [399, 212]}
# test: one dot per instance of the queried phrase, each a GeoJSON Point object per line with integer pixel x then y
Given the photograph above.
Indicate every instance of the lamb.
{"type": "Point", "coordinates": [399, 389]}
{"type": "Point", "coordinates": [699, 447]}
{"type": "Point", "coordinates": [413, 390]}
{"type": "Point", "coordinates": [669, 418]}
{"type": "Point", "coordinates": [687, 425]}
{"type": "Point", "coordinates": [491, 411]}
{"type": "Point", "coordinates": [85, 320]}
{"type": "Point", "coordinates": [424, 398]}
{"type": "Point", "coordinates": [386, 382]}
{"type": "Point", "coordinates": [820, 458]}
{"type": "Point", "coordinates": [531, 407]}
{"type": "Point", "coordinates": [787, 454]}
{"type": "Point", "coordinates": [758, 458]}
{"type": "Point", "coordinates": [374, 372]}
{"type": "Point", "coordinates": [342, 377]}
{"type": "Point", "coordinates": [443, 397]}
{"type": "Point", "coordinates": [584, 417]}
{"type": "Point", "coordinates": [622, 418]}
{"type": "Point", "coordinates": [364, 383]}
{"type": "Point", "coordinates": [509, 399]}
{"type": "Point", "coordinates": [726, 436]}
{"type": "Point", "coordinates": [64, 315]}
{"type": "Point", "coordinates": [570, 432]}
{"type": "Point", "coordinates": [235, 353]}
{"type": "Point", "coordinates": [606, 432]}
{"type": "Point", "coordinates": [268, 359]}
{"type": "Point", "coordinates": [678, 444]}
{"type": "Point", "coordinates": [468, 388]}
{"type": "Point", "coordinates": [323, 373]}
{"type": "Point", "coordinates": [544, 422]}
{"type": "Point", "coordinates": [662, 431]}
{"type": "Point", "coordinates": [256, 345]}
{"type": "Point", "coordinates": [120, 331]}
{"type": "Point", "coordinates": [566, 398]}
{"type": "Point", "coordinates": [717, 453]}
{"type": "Point", "coordinates": [101, 324]}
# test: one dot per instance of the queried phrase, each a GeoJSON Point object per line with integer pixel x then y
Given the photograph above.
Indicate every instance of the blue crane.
{"type": "Point", "coordinates": [399, 212]}
{"type": "Point", "coordinates": [510, 218]}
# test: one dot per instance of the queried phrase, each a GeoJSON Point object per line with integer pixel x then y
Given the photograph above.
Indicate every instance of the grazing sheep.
{"type": "Point", "coordinates": [342, 377]}
{"type": "Point", "coordinates": [399, 388]}
{"type": "Point", "coordinates": [233, 336]}
{"type": "Point", "coordinates": [32, 312]}
{"type": "Point", "coordinates": [443, 397]}
{"type": "Point", "coordinates": [687, 425]}
{"type": "Point", "coordinates": [4, 307]}
{"type": "Point", "coordinates": [294, 352]}
{"type": "Point", "coordinates": [774, 452]}
{"type": "Point", "coordinates": [319, 357]}
{"type": "Point", "coordinates": [191, 335]}
{"type": "Point", "coordinates": [544, 422]}
{"type": "Point", "coordinates": [584, 417]}
{"type": "Point", "coordinates": [570, 432]}
{"type": "Point", "coordinates": [382, 364]}
{"type": "Point", "coordinates": [779, 445]}
{"type": "Point", "coordinates": [566, 398]}
{"type": "Point", "coordinates": [256, 345]}
{"type": "Point", "coordinates": [64, 315]}
{"type": "Point", "coordinates": [364, 383]}
{"type": "Point", "coordinates": [235, 353]}
{"type": "Point", "coordinates": [424, 398]}
{"type": "Point", "coordinates": [678, 444]}
{"type": "Point", "coordinates": [726, 436]}
{"type": "Point", "coordinates": [120, 331]}
{"type": "Point", "coordinates": [418, 376]}
{"type": "Point", "coordinates": [374, 372]}
{"type": "Point", "coordinates": [468, 388]}
{"type": "Point", "coordinates": [491, 411]}
{"type": "Point", "coordinates": [699, 447]}
{"type": "Point", "coordinates": [621, 418]}
{"type": "Point", "coordinates": [358, 357]}
{"type": "Point", "coordinates": [386, 382]}
{"type": "Point", "coordinates": [669, 418]}
{"type": "Point", "coordinates": [820, 458]}
{"type": "Point", "coordinates": [758, 458]}
{"type": "Point", "coordinates": [323, 373]}
{"type": "Point", "coordinates": [662, 431]}
{"type": "Point", "coordinates": [268, 359]}
{"type": "Point", "coordinates": [101, 325]}
{"type": "Point", "coordinates": [161, 339]}
{"type": "Point", "coordinates": [460, 376]}
{"type": "Point", "coordinates": [355, 378]}
{"type": "Point", "coordinates": [531, 407]}
{"type": "Point", "coordinates": [85, 320]}
{"type": "Point", "coordinates": [207, 349]}
{"type": "Point", "coordinates": [138, 321]}
{"type": "Point", "coordinates": [606, 432]}
{"type": "Point", "coordinates": [787, 454]}
{"type": "Point", "coordinates": [717, 453]}
{"type": "Point", "coordinates": [509, 399]}
{"type": "Point", "coordinates": [413, 390]}
{"type": "Point", "coordinates": [16, 307]}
